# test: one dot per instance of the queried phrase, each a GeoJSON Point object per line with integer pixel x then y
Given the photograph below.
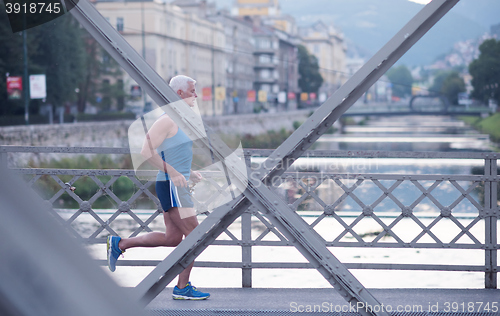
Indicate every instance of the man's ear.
{"type": "Point", "coordinates": [179, 92]}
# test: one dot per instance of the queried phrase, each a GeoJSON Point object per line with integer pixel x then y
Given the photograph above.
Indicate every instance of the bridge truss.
{"type": "Point", "coordinates": [257, 192]}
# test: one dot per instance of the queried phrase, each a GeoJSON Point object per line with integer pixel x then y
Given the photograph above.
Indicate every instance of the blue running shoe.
{"type": "Point", "coordinates": [189, 293]}
{"type": "Point", "coordinates": [113, 252]}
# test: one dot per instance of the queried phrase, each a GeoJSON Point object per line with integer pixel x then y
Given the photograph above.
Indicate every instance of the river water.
{"type": "Point", "coordinates": [385, 134]}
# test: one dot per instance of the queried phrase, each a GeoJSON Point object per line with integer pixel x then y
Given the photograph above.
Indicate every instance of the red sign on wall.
{"type": "Point", "coordinates": [251, 96]}
{"type": "Point", "coordinates": [14, 87]}
{"type": "Point", "coordinates": [291, 96]}
{"type": "Point", "coordinates": [206, 94]}
{"type": "Point", "coordinates": [312, 96]}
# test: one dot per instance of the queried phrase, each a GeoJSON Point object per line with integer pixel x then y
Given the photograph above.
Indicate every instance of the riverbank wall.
{"type": "Point", "coordinates": [115, 133]}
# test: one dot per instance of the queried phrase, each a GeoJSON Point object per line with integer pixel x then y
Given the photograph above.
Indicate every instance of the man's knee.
{"type": "Point", "coordinates": [172, 240]}
{"type": "Point", "coordinates": [191, 224]}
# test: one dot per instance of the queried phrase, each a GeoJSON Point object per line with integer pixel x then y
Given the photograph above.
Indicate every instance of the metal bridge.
{"type": "Point", "coordinates": [319, 198]}
{"type": "Point", "coordinates": [388, 109]}
{"type": "Point", "coordinates": [257, 194]}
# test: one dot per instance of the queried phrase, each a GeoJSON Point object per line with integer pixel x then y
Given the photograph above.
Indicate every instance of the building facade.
{"type": "Point", "coordinates": [173, 42]}
{"type": "Point", "coordinates": [276, 67]}
{"type": "Point", "coordinates": [239, 52]}
{"type": "Point", "coordinates": [239, 61]}
{"type": "Point", "coordinates": [256, 8]}
{"type": "Point", "coordinates": [327, 45]}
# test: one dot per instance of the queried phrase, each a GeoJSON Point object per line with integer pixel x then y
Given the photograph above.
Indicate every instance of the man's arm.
{"type": "Point", "coordinates": [195, 176]}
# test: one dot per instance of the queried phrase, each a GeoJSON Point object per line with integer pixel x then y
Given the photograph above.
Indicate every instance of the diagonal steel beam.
{"type": "Point", "coordinates": [291, 225]}
{"type": "Point", "coordinates": [344, 99]}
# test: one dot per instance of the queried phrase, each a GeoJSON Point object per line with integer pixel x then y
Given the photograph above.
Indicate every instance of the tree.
{"type": "Point", "coordinates": [452, 86]}
{"type": "Point", "coordinates": [74, 64]}
{"type": "Point", "coordinates": [401, 80]}
{"type": "Point", "coordinates": [438, 80]}
{"type": "Point", "coordinates": [485, 72]}
{"type": "Point", "coordinates": [448, 84]}
{"type": "Point", "coordinates": [54, 49]}
{"type": "Point", "coordinates": [11, 62]}
{"type": "Point", "coordinates": [100, 67]}
{"type": "Point", "coordinates": [310, 79]}
{"type": "Point", "coordinates": [61, 56]}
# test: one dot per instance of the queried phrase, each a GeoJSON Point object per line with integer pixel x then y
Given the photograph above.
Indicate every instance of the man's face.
{"type": "Point", "coordinates": [189, 95]}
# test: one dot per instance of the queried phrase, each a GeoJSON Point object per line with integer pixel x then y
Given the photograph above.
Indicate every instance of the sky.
{"type": "Point", "coordinates": [230, 2]}
{"type": "Point", "coordinates": [420, 1]}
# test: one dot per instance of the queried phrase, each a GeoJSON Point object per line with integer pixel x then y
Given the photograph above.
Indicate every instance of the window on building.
{"type": "Point", "coordinates": [265, 74]}
{"type": "Point", "coordinates": [119, 24]}
{"type": "Point", "coordinates": [264, 59]}
{"type": "Point", "coordinates": [264, 43]}
{"type": "Point", "coordinates": [105, 59]}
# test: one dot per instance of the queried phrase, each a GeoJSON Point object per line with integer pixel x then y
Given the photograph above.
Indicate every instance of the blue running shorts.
{"type": "Point", "coordinates": [172, 196]}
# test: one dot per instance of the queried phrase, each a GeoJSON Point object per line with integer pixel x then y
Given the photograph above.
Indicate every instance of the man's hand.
{"type": "Point", "coordinates": [177, 178]}
{"type": "Point", "coordinates": [195, 176]}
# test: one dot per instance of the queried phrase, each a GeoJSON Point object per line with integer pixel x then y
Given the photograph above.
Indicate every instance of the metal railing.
{"type": "Point", "coordinates": [467, 203]}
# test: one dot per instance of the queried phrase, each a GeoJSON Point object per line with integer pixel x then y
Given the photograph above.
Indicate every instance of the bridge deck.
{"type": "Point", "coordinates": [282, 301]}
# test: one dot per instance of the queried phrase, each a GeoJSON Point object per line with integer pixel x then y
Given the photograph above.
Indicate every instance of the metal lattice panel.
{"type": "Point", "coordinates": [366, 210]}
{"type": "Point", "coordinates": [311, 194]}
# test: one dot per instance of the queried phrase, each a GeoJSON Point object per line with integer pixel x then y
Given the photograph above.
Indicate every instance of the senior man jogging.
{"type": "Point", "coordinates": [170, 150]}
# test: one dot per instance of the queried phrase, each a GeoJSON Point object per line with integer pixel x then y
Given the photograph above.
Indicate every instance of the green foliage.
{"type": "Point", "coordinates": [491, 125]}
{"type": "Point", "coordinates": [61, 56]}
{"type": "Point", "coordinates": [100, 68]}
{"type": "Point", "coordinates": [310, 78]}
{"type": "Point", "coordinates": [471, 120]}
{"type": "Point", "coordinates": [11, 120]}
{"type": "Point", "coordinates": [480, 188]}
{"type": "Point", "coordinates": [69, 57]}
{"type": "Point", "coordinates": [296, 124]}
{"type": "Point", "coordinates": [109, 116]}
{"type": "Point", "coordinates": [439, 78]}
{"type": "Point", "coordinates": [485, 72]}
{"type": "Point", "coordinates": [11, 61]}
{"type": "Point", "coordinates": [86, 187]}
{"type": "Point", "coordinates": [449, 84]}
{"type": "Point", "coordinates": [487, 125]}
{"type": "Point", "coordinates": [452, 86]}
{"type": "Point", "coordinates": [54, 49]}
{"type": "Point", "coordinates": [401, 80]}
{"type": "Point", "coordinates": [347, 120]}
{"type": "Point", "coordinates": [271, 139]}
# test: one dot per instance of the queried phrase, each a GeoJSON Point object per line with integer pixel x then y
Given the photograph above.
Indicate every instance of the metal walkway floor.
{"type": "Point", "coordinates": [250, 302]}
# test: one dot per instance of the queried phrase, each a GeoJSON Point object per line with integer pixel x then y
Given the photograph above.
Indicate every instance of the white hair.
{"type": "Point", "coordinates": [180, 82]}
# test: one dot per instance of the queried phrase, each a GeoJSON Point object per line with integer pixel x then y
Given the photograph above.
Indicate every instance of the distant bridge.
{"type": "Point", "coordinates": [414, 108]}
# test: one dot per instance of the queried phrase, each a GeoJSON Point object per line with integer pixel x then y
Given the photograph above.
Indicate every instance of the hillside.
{"type": "Point", "coordinates": [369, 24]}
